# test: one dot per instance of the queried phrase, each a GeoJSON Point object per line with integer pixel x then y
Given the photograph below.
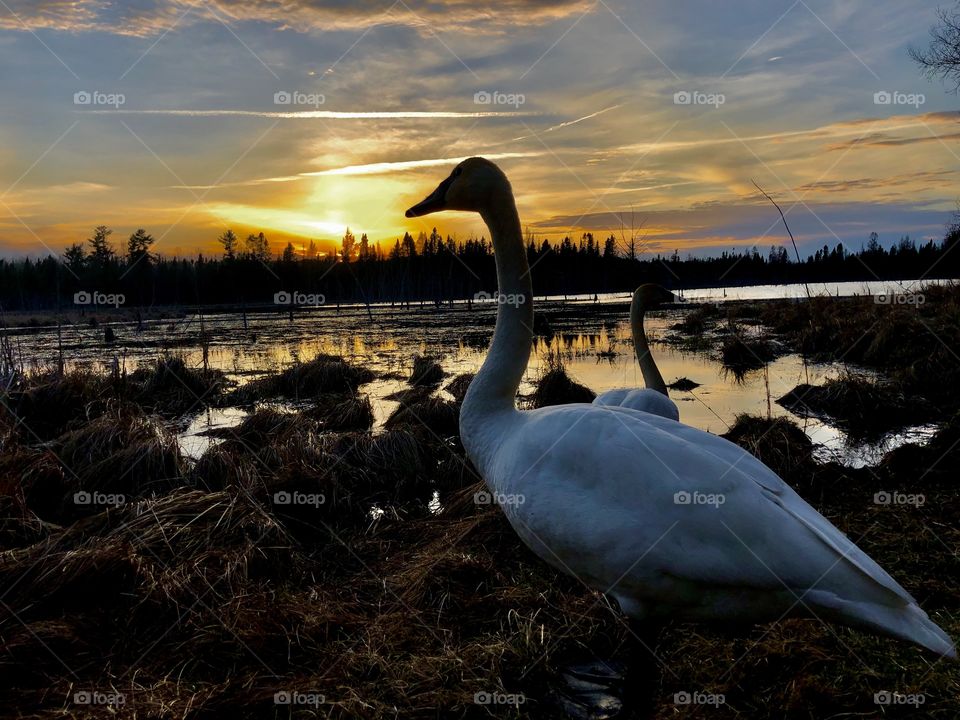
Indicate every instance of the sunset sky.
{"type": "Point", "coordinates": [585, 119]}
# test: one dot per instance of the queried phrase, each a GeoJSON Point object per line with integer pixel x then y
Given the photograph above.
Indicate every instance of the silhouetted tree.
{"type": "Point", "coordinates": [258, 248]}
{"type": "Point", "coordinates": [942, 58]}
{"type": "Point", "coordinates": [101, 252]}
{"type": "Point", "coordinates": [74, 257]}
{"type": "Point", "coordinates": [138, 247]}
{"type": "Point", "coordinates": [230, 242]}
{"type": "Point", "coordinates": [348, 242]}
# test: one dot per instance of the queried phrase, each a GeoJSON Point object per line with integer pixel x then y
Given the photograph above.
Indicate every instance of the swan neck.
{"type": "Point", "coordinates": [651, 374]}
{"type": "Point", "coordinates": [495, 386]}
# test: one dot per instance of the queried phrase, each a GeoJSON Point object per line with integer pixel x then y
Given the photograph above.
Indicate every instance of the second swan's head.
{"type": "Point", "coordinates": [651, 295]}
{"type": "Point", "coordinates": [472, 186]}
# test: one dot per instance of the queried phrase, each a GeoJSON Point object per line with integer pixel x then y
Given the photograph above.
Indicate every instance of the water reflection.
{"type": "Point", "coordinates": [595, 344]}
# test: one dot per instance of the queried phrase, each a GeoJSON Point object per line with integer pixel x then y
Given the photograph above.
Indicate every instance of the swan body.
{"type": "Point", "coordinates": [671, 521]}
{"type": "Point", "coordinates": [654, 397]}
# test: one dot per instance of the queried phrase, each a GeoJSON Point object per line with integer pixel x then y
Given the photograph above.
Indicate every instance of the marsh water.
{"type": "Point", "coordinates": [591, 336]}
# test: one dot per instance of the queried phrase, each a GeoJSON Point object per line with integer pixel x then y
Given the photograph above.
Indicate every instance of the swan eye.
{"type": "Point", "coordinates": [456, 171]}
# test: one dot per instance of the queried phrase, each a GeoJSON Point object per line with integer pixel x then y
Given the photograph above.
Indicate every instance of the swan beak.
{"type": "Point", "coordinates": [434, 202]}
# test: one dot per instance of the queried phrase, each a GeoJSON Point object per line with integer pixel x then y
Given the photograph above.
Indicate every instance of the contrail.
{"type": "Point", "coordinates": [320, 114]}
{"type": "Point", "coordinates": [380, 168]}
{"type": "Point", "coordinates": [568, 123]}
{"type": "Point", "coordinates": [386, 167]}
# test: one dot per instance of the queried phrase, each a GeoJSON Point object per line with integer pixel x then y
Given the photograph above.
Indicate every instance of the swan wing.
{"type": "Point", "coordinates": [721, 448]}
{"type": "Point", "coordinates": [656, 512]}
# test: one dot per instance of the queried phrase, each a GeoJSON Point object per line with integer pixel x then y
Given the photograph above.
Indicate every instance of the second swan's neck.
{"type": "Point", "coordinates": [651, 374]}
{"type": "Point", "coordinates": [491, 396]}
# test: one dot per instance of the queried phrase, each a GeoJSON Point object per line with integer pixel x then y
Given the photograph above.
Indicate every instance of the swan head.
{"type": "Point", "coordinates": [472, 186]}
{"type": "Point", "coordinates": [651, 295]}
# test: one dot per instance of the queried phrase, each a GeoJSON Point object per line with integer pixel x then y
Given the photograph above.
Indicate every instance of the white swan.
{"type": "Point", "coordinates": [654, 397]}
{"type": "Point", "coordinates": [671, 521]}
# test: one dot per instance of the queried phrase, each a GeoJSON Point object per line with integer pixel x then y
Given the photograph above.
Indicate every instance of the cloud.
{"type": "Point", "coordinates": [887, 140]}
{"type": "Point", "coordinates": [153, 17]}
{"type": "Point", "coordinates": [928, 179]}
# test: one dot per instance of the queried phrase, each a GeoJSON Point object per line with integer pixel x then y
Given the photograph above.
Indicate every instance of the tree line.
{"type": "Point", "coordinates": [430, 267]}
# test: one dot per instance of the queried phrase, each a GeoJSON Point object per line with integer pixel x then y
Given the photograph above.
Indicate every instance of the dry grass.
{"type": "Point", "coordinates": [555, 387]}
{"type": "Point", "coordinates": [322, 375]}
{"type": "Point", "coordinates": [778, 442]}
{"type": "Point", "coordinates": [459, 385]}
{"type": "Point", "coordinates": [436, 416]}
{"type": "Point", "coordinates": [740, 353]}
{"type": "Point", "coordinates": [341, 413]}
{"type": "Point", "coordinates": [426, 371]}
{"type": "Point", "coordinates": [204, 604]}
{"type": "Point", "coordinates": [169, 386]}
{"type": "Point", "coordinates": [863, 406]}
{"type": "Point", "coordinates": [44, 404]}
{"type": "Point", "coordinates": [914, 344]}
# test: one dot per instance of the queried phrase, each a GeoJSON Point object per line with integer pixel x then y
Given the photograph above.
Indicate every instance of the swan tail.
{"type": "Point", "coordinates": [904, 622]}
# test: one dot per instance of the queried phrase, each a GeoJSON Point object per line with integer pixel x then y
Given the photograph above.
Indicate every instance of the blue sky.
{"type": "Point", "coordinates": [605, 114]}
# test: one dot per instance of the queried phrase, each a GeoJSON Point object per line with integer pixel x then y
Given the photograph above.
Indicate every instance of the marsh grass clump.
{"type": "Point", "coordinates": [931, 463]}
{"type": "Point", "coordinates": [406, 396]}
{"type": "Point", "coordinates": [683, 384]}
{"type": "Point", "coordinates": [345, 473]}
{"type": "Point", "coordinates": [698, 320]}
{"type": "Point", "coordinates": [741, 353]}
{"type": "Point", "coordinates": [863, 406]}
{"type": "Point", "coordinates": [778, 442]}
{"type": "Point", "coordinates": [122, 452]}
{"type": "Point", "coordinates": [170, 386]}
{"type": "Point", "coordinates": [459, 385]}
{"type": "Point", "coordinates": [342, 413]}
{"type": "Point", "coordinates": [324, 374]}
{"type": "Point", "coordinates": [40, 406]}
{"type": "Point", "coordinates": [911, 343]}
{"type": "Point", "coordinates": [32, 486]}
{"type": "Point", "coordinates": [263, 427]}
{"type": "Point", "coordinates": [224, 465]}
{"type": "Point", "coordinates": [426, 371]}
{"type": "Point", "coordinates": [433, 415]}
{"type": "Point", "coordinates": [555, 387]}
